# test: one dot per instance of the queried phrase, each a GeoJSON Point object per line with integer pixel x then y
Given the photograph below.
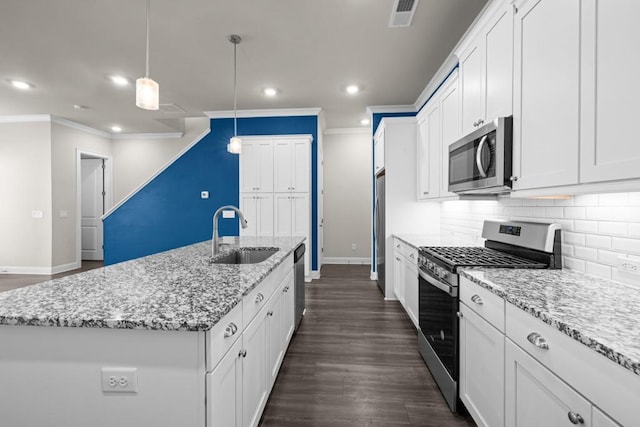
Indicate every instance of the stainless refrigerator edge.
{"type": "Point", "coordinates": [379, 230]}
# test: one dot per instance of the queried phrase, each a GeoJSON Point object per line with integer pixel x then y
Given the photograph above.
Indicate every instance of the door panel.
{"type": "Point", "coordinates": [301, 170]}
{"type": "Point", "coordinates": [92, 208]}
{"type": "Point", "coordinates": [249, 208]}
{"type": "Point", "coordinates": [264, 215]}
{"type": "Point", "coordinates": [283, 164]}
{"type": "Point", "coordinates": [283, 219]}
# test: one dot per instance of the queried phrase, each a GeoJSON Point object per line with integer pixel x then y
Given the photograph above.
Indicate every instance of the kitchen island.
{"type": "Point", "coordinates": [165, 340]}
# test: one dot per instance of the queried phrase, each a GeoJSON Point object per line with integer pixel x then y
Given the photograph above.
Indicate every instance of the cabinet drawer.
{"type": "Point", "coordinates": [223, 335]}
{"type": "Point", "coordinates": [258, 297]}
{"type": "Point", "coordinates": [488, 305]}
{"type": "Point", "coordinates": [608, 385]}
{"type": "Point", "coordinates": [408, 251]}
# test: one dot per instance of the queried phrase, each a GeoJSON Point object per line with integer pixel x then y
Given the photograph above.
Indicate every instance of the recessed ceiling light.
{"type": "Point", "coordinates": [365, 122]}
{"type": "Point", "coordinates": [116, 129]}
{"type": "Point", "coordinates": [270, 91]}
{"type": "Point", "coordinates": [119, 80]}
{"type": "Point", "coordinates": [19, 84]}
{"type": "Point", "coordinates": [353, 89]}
{"type": "Point", "coordinates": [80, 107]}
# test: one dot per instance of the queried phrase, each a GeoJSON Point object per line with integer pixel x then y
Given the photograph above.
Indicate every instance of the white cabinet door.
{"type": "Point", "coordinates": [610, 65]}
{"type": "Point", "coordinates": [599, 419]}
{"type": "Point", "coordinates": [481, 369]}
{"type": "Point", "coordinates": [224, 390]}
{"type": "Point", "coordinates": [256, 166]}
{"type": "Point", "coordinates": [254, 370]}
{"type": "Point", "coordinates": [423, 159]}
{"type": "Point", "coordinates": [471, 86]}
{"type": "Point", "coordinates": [498, 67]}
{"type": "Point", "coordinates": [300, 214]}
{"type": "Point", "coordinates": [282, 212]}
{"type": "Point", "coordinates": [301, 172]}
{"type": "Point", "coordinates": [378, 150]}
{"type": "Point", "coordinates": [264, 215]}
{"type": "Point", "coordinates": [410, 276]}
{"type": "Point", "coordinates": [283, 166]}
{"type": "Point", "coordinates": [535, 397]}
{"type": "Point", "coordinates": [450, 130]}
{"type": "Point", "coordinates": [275, 340]}
{"type": "Point", "coordinates": [398, 277]}
{"type": "Point", "coordinates": [288, 307]}
{"type": "Point", "coordinates": [249, 208]}
{"type": "Point", "coordinates": [435, 136]}
{"type": "Point", "coordinates": [546, 93]}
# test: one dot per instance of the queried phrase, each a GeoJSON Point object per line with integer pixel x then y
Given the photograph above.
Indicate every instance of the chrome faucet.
{"type": "Point", "coordinates": [215, 245]}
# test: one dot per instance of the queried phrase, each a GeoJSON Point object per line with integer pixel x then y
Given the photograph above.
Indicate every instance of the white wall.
{"type": "Point", "coordinates": [347, 196]}
{"type": "Point", "coordinates": [65, 141]}
{"type": "Point", "coordinates": [25, 186]}
{"type": "Point", "coordinates": [138, 159]}
{"type": "Point", "coordinates": [596, 228]}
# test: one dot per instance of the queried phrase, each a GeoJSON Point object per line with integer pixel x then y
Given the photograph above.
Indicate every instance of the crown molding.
{"type": "Point", "coordinates": [264, 113]}
{"type": "Point", "coordinates": [342, 131]}
{"type": "Point", "coordinates": [375, 109]}
{"type": "Point", "coordinates": [74, 125]}
{"type": "Point", "coordinates": [288, 136]}
{"type": "Point", "coordinates": [167, 135]}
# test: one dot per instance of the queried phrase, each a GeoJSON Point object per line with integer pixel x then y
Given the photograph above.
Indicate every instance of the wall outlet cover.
{"type": "Point", "coordinates": [629, 265]}
{"type": "Point", "coordinates": [119, 380]}
{"type": "Point", "coordinates": [37, 214]}
{"type": "Point", "coordinates": [204, 194]}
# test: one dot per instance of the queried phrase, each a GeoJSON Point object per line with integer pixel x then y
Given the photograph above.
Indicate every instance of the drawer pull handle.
{"type": "Point", "coordinates": [412, 256]}
{"type": "Point", "coordinates": [259, 298]}
{"type": "Point", "coordinates": [230, 330]}
{"type": "Point", "coordinates": [243, 353]}
{"type": "Point", "coordinates": [270, 313]}
{"type": "Point", "coordinates": [575, 418]}
{"type": "Point", "coordinates": [460, 315]}
{"type": "Point", "coordinates": [286, 289]}
{"type": "Point", "coordinates": [538, 340]}
{"type": "Point", "coordinates": [477, 299]}
{"type": "Point", "coordinates": [398, 246]}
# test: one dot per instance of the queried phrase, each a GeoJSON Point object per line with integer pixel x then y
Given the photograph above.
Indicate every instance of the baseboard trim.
{"type": "Point", "coordinates": [315, 274]}
{"type": "Point", "coordinates": [44, 271]}
{"type": "Point", "coordinates": [374, 275]}
{"type": "Point", "coordinates": [345, 260]}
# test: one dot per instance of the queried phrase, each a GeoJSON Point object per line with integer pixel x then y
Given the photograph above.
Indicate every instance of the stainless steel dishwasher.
{"type": "Point", "coordinates": [298, 259]}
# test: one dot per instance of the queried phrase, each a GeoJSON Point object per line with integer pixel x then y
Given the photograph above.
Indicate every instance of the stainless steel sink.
{"type": "Point", "coordinates": [245, 256]}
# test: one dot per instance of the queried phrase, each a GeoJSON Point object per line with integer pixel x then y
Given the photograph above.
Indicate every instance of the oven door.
{"type": "Point", "coordinates": [438, 335]}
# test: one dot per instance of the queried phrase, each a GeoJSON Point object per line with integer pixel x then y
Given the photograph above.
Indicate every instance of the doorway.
{"type": "Point", "coordinates": [93, 202]}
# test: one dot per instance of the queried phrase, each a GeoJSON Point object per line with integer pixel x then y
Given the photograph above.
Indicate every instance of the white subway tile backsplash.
{"type": "Point", "coordinates": [598, 270]}
{"type": "Point", "coordinates": [586, 200]}
{"type": "Point", "coordinates": [588, 254]}
{"type": "Point", "coordinates": [614, 199]}
{"type": "Point", "coordinates": [575, 212]}
{"type": "Point", "coordinates": [553, 212]}
{"type": "Point", "coordinates": [567, 250]}
{"type": "Point", "coordinates": [585, 226]}
{"type": "Point", "coordinates": [574, 264]}
{"type": "Point", "coordinates": [612, 228]}
{"type": "Point", "coordinates": [634, 199]}
{"type": "Point", "coordinates": [563, 202]}
{"type": "Point", "coordinates": [626, 245]}
{"type": "Point", "coordinates": [608, 257]}
{"type": "Point", "coordinates": [573, 238]}
{"type": "Point", "coordinates": [536, 212]}
{"type": "Point", "coordinates": [597, 241]}
{"type": "Point", "coordinates": [628, 213]}
{"type": "Point", "coordinates": [634, 230]}
{"type": "Point", "coordinates": [600, 212]}
{"type": "Point", "coordinates": [621, 276]}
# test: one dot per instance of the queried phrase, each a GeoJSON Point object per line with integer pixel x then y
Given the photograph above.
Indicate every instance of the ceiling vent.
{"type": "Point", "coordinates": [171, 109]}
{"type": "Point", "coordinates": [402, 13]}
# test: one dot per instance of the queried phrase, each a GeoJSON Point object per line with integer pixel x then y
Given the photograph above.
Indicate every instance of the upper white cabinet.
{"type": "Point", "coordinates": [378, 149]}
{"type": "Point", "coordinates": [438, 127]}
{"type": "Point", "coordinates": [486, 63]}
{"type": "Point", "coordinates": [292, 165]}
{"type": "Point", "coordinates": [610, 90]}
{"type": "Point", "coordinates": [547, 93]}
{"type": "Point", "coordinates": [256, 166]}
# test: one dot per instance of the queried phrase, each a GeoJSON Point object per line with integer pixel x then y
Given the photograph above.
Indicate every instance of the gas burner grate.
{"type": "Point", "coordinates": [477, 257]}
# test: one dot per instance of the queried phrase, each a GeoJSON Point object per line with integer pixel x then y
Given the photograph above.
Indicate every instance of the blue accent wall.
{"type": "Point", "coordinates": [168, 212]}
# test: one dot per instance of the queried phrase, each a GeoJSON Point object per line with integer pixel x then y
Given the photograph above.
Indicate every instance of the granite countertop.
{"type": "Point", "coordinates": [173, 290]}
{"type": "Point", "coordinates": [599, 313]}
{"type": "Point", "coordinates": [417, 240]}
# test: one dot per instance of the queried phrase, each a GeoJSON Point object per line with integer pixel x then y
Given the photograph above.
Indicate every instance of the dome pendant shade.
{"type": "Point", "coordinates": [147, 94]}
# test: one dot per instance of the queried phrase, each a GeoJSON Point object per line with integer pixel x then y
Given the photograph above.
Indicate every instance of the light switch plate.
{"type": "Point", "coordinates": [37, 214]}
{"type": "Point", "coordinates": [228, 214]}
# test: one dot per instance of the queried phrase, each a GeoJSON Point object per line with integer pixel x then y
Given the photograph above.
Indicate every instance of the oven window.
{"type": "Point", "coordinates": [438, 321]}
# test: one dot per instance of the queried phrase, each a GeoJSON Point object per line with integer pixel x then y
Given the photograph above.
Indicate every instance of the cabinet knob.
{"type": "Point", "coordinates": [575, 418]}
{"type": "Point", "coordinates": [230, 330]}
{"type": "Point", "coordinates": [398, 246]}
{"type": "Point", "coordinates": [480, 121]}
{"type": "Point", "coordinates": [412, 256]}
{"type": "Point", "coordinates": [513, 178]}
{"type": "Point", "coordinates": [477, 299]}
{"type": "Point", "coordinates": [538, 340]}
{"type": "Point", "coordinates": [475, 124]}
{"type": "Point", "coordinates": [259, 298]}
{"type": "Point", "coordinates": [270, 313]}
{"type": "Point", "coordinates": [243, 353]}
{"type": "Point", "coordinates": [286, 289]}
{"type": "Point", "coordinates": [397, 259]}
{"type": "Point", "coordinates": [459, 314]}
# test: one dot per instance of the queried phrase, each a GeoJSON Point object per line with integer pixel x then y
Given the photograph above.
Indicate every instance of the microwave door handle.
{"type": "Point", "coordinates": [483, 173]}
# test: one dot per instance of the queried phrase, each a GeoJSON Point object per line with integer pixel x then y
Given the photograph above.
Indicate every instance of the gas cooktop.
{"type": "Point", "coordinates": [468, 256]}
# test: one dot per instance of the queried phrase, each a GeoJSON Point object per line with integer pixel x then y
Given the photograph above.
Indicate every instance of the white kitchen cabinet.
{"type": "Point", "coordinates": [292, 165]}
{"type": "Point", "coordinates": [536, 397]}
{"type": "Point", "coordinates": [288, 309]}
{"type": "Point", "coordinates": [378, 150]}
{"type": "Point", "coordinates": [293, 218]}
{"type": "Point", "coordinates": [398, 277]}
{"type": "Point", "coordinates": [254, 370]}
{"type": "Point", "coordinates": [610, 91]}
{"type": "Point", "coordinates": [275, 340]}
{"type": "Point", "coordinates": [410, 277]}
{"type": "Point", "coordinates": [486, 69]}
{"type": "Point", "coordinates": [600, 419]}
{"type": "Point", "coordinates": [546, 126]}
{"type": "Point", "coordinates": [423, 158]}
{"type": "Point", "coordinates": [224, 390]}
{"type": "Point", "coordinates": [433, 142]}
{"type": "Point", "coordinates": [481, 368]}
{"type": "Point", "coordinates": [257, 209]}
{"type": "Point", "coordinates": [450, 129]}
{"type": "Point", "coordinates": [256, 166]}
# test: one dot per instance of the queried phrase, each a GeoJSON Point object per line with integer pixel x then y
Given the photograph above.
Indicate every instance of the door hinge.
{"type": "Point", "coordinates": [104, 194]}
{"type": "Point", "coordinates": [515, 9]}
{"type": "Point", "coordinates": [102, 164]}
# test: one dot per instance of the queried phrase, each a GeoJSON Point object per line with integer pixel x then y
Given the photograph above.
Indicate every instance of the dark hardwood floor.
{"type": "Point", "coordinates": [13, 281]}
{"type": "Point", "coordinates": [355, 362]}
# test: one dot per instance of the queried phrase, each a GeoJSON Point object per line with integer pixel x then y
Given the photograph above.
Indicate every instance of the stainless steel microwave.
{"type": "Point", "coordinates": [481, 162]}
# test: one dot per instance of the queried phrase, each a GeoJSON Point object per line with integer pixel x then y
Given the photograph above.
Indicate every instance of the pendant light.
{"type": "Point", "coordinates": [147, 90]}
{"type": "Point", "coordinates": [235, 144]}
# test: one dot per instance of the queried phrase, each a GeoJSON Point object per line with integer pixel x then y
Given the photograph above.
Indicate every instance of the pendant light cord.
{"type": "Point", "coordinates": [147, 58]}
{"type": "Point", "coordinates": [235, 90]}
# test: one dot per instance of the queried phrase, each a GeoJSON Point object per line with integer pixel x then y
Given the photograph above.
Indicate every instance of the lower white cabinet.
{"type": "Point", "coordinates": [599, 419]}
{"type": "Point", "coordinates": [536, 397]}
{"type": "Point", "coordinates": [288, 309]}
{"type": "Point", "coordinates": [481, 369]}
{"type": "Point", "coordinates": [405, 278]}
{"type": "Point", "coordinates": [292, 213]}
{"type": "Point", "coordinates": [224, 390]}
{"type": "Point", "coordinates": [398, 277]}
{"type": "Point", "coordinates": [410, 277]}
{"type": "Point", "coordinates": [254, 370]}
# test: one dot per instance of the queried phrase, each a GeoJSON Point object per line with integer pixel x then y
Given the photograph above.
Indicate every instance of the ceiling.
{"type": "Point", "coordinates": [310, 50]}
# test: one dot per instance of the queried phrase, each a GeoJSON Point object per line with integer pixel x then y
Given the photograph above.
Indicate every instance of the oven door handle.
{"type": "Point", "coordinates": [451, 290]}
{"type": "Point", "coordinates": [483, 172]}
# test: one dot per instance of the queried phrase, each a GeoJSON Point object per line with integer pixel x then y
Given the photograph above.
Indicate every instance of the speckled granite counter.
{"type": "Point", "coordinates": [599, 313]}
{"type": "Point", "coordinates": [417, 240]}
{"type": "Point", "coordinates": [174, 290]}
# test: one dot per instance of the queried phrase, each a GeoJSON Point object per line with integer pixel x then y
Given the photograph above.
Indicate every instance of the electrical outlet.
{"type": "Point", "coordinates": [204, 194]}
{"type": "Point", "coordinates": [629, 265]}
{"type": "Point", "coordinates": [353, 246]}
{"type": "Point", "coordinates": [120, 380]}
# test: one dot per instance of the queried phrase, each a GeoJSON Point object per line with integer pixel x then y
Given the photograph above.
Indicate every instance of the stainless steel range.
{"type": "Point", "coordinates": [509, 244]}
